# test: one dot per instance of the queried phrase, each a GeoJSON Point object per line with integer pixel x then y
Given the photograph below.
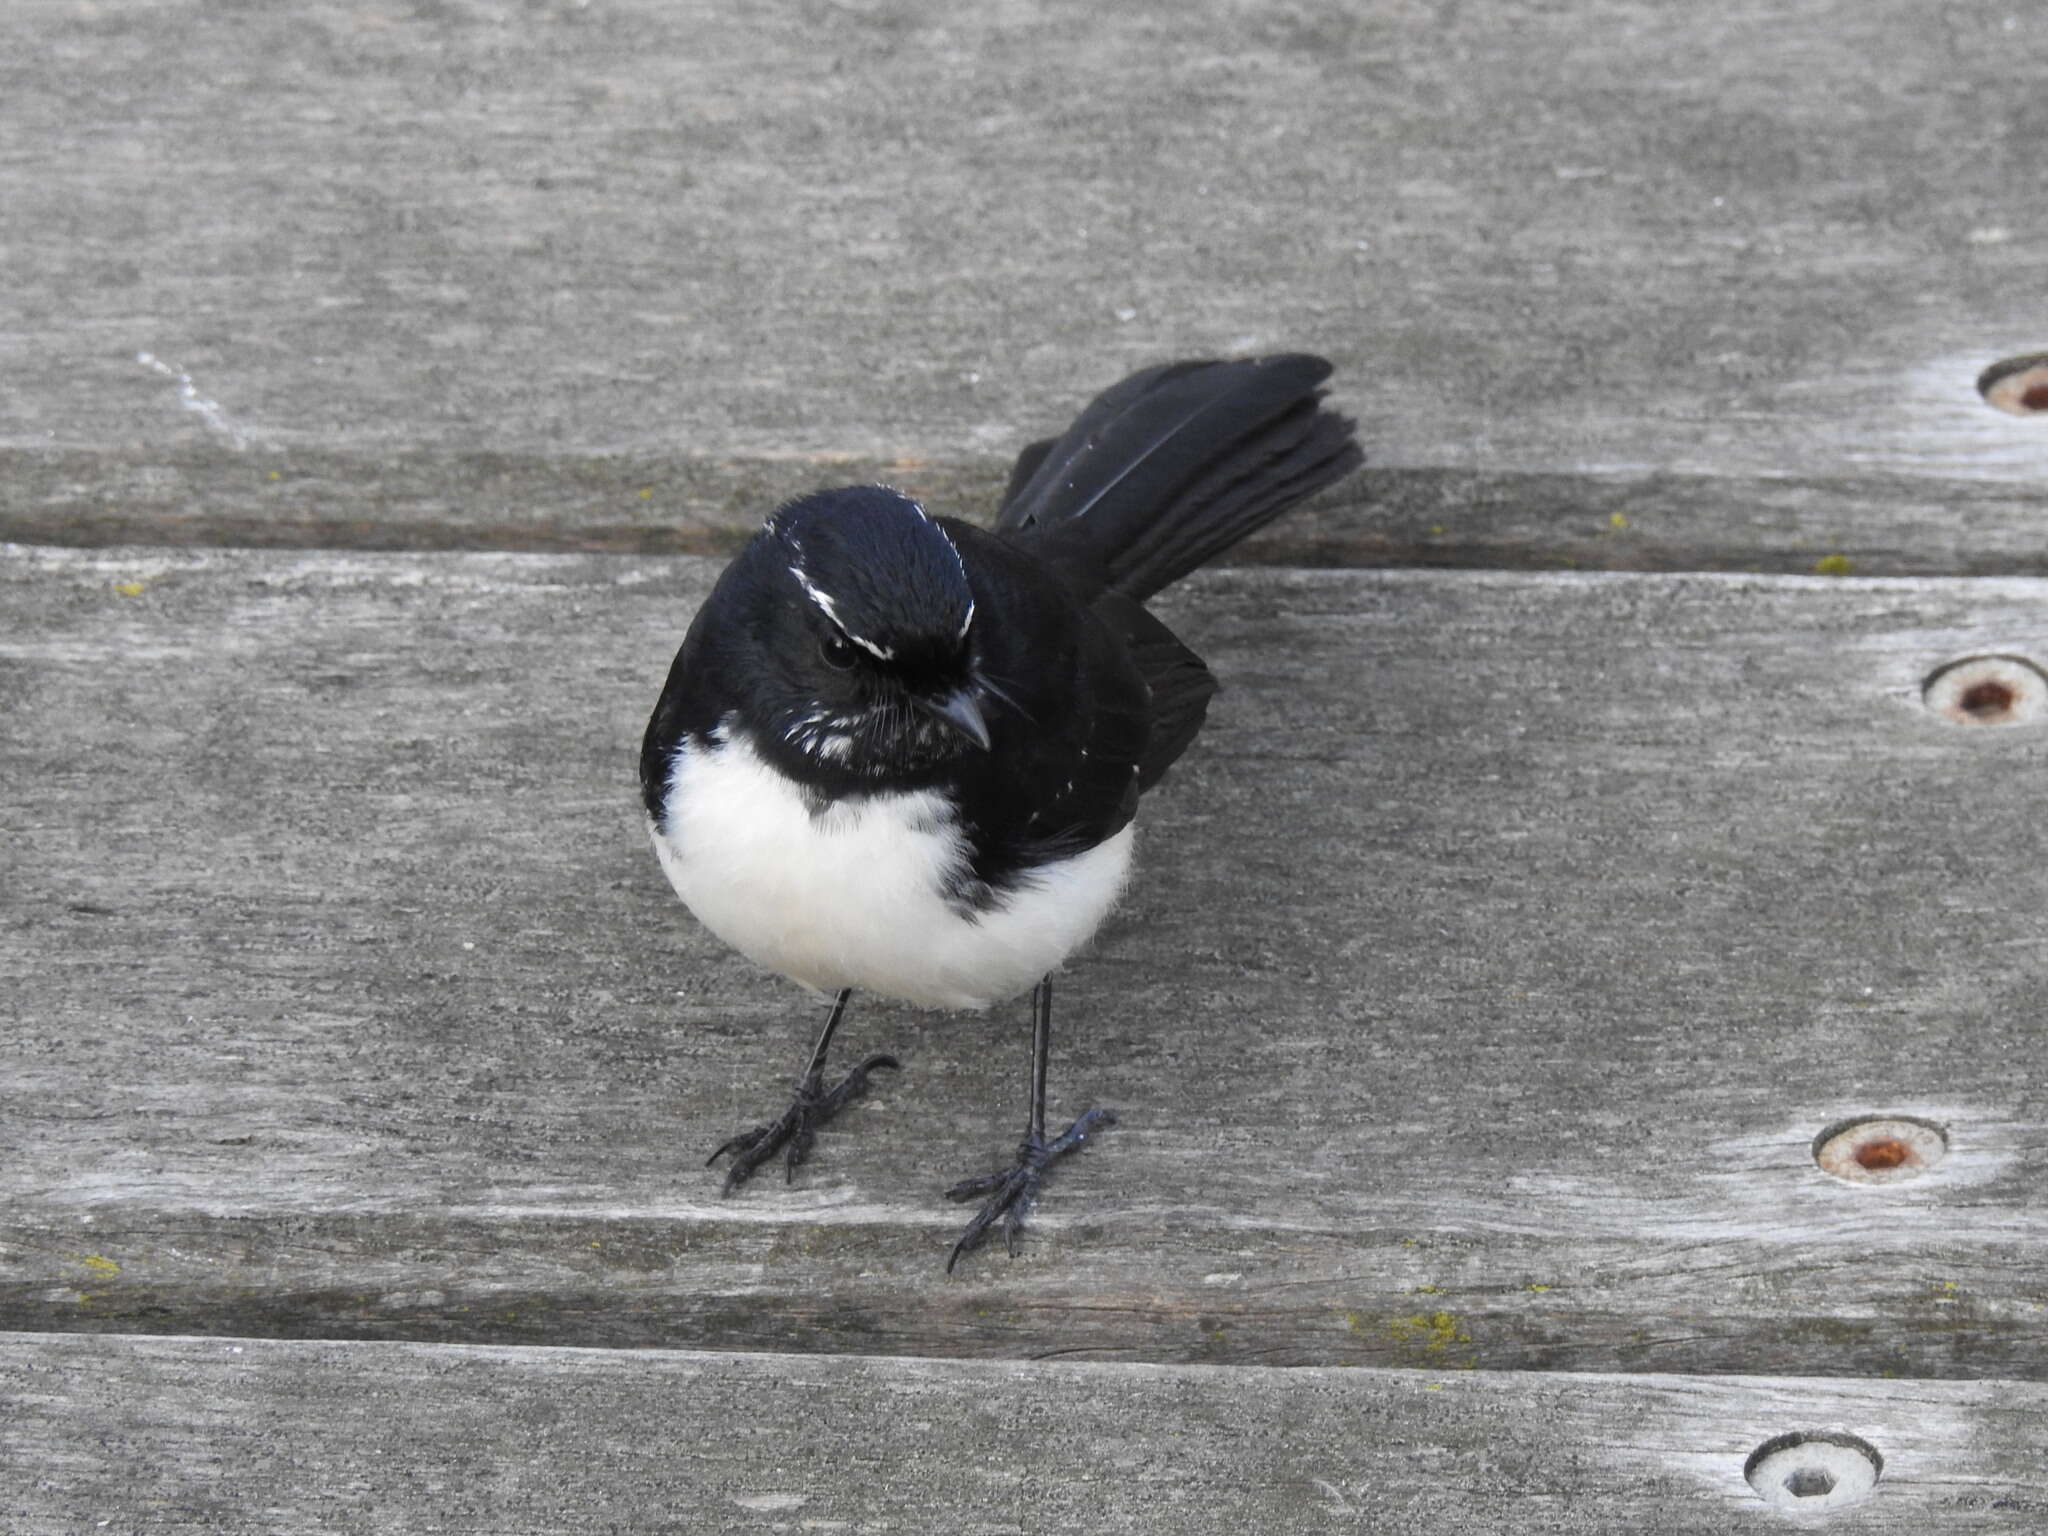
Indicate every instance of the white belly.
{"type": "Point", "coordinates": [854, 896]}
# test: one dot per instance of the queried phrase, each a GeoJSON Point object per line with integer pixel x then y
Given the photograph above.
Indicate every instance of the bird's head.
{"type": "Point", "coordinates": [859, 629]}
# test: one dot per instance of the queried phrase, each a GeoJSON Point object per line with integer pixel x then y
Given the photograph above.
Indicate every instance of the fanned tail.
{"type": "Point", "coordinates": [1164, 471]}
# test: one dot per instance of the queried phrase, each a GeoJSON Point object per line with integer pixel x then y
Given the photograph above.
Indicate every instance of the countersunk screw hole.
{"type": "Point", "coordinates": [2018, 385]}
{"type": "Point", "coordinates": [1814, 1470]}
{"type": "Point", "coordinates": [1880, 1149]}
{"type": "Point", "coordinates": [1987, 690]}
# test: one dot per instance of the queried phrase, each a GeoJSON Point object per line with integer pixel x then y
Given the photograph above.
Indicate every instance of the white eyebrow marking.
{"type": "Point", "coordinates": [816, 594]}
{"type": "Point", "coordinates": [830, 609]}
{"type": "Point", "coordinates": [957, 561]}
{"type": "Point", "coordinates": [879, 652]}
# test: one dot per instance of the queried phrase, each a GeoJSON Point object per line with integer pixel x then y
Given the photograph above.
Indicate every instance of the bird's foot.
{"type": "Point", "coordinates": [1012, 1192]}
{"type": "Point", "coordinates": [795, 1131]}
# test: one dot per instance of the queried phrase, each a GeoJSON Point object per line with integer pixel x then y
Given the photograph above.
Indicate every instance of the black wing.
{"type": "Point", "coordinates": [1070, 715]}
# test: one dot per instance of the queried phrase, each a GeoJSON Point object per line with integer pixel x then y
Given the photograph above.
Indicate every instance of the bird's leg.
{"type": "Point", "coordinates": [1012, 1191]}
{"type": "Point", "coordinates": [794, 1132]}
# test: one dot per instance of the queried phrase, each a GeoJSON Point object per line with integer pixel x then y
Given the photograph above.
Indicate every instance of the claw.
{"type": "Point", "coordinates": [854, 1084]}
{"type": "Point", "coordinates": [739, 1143]}
{"type": "Point", "coordinates": [795, 1131]}
{"type": "Point", "coordinates": [1013, 1191]}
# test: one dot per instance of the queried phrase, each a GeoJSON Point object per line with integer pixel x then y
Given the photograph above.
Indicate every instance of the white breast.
{"type": "Point", "coordinates": [854, 895]}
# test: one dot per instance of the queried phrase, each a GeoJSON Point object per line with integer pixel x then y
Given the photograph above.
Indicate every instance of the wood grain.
{"type": "Point", "coordinates": [654, 504]}
{"type": "Point", "coordinates": [1495, 959]}
{"type": "Point", "coordinates": [231, 1435]}
{"type": "Point", "coordinates": [1599, 253]}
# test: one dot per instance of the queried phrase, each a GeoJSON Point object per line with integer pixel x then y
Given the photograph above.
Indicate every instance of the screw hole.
{"type": "Point", "coordinates": [1887, 1149]}
{"type": "Point", "coordinates": [1987, 698]}
{"type": "Point", "coordinates": [1812, 1470]}
{"type": "Point", "coordinates": [1889, 1152]}
{"type": "Point", "coordinates": [1987, 690]}
{"type": "Point", "coordinates": [1810, 1483]}
{"type": "Point", "coordinates": [2018, 385]}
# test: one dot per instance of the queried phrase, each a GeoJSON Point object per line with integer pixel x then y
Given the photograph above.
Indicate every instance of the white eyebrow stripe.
{"type": "Point", "coordinates": [817, 595]}
{"type": "Point", "coordinates": [957, 560]}
{"type": "Point", "coordinates": [826, 606]}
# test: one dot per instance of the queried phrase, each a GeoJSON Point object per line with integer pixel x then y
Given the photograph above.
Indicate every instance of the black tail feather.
{"type": "Point", "coordinates": [1166, 470]}
{"type": "Point", "coordinates": [1067, 456]}
{"type": "Point", "coordinates": [1294, 458]}
{"type": "Point", "coordinates": [1026, 466]}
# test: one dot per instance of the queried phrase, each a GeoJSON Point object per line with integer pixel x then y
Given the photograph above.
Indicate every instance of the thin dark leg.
{"type": "Point", "coordinates": [1041, 1052]}
{"type": "Point", "coordinates": [1012, 1192]}
{"type": "Point", "coordinates": [817, 1066]}
{"type": "Point", "coordinates": [795, 1131]}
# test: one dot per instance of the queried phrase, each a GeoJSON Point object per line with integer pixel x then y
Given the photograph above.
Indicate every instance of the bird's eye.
{"type": "Point", "coordinates": [837, 651]}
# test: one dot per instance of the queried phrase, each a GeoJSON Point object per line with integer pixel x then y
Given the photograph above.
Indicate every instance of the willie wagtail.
{"type": "Point", "coordinates": [903, 753]}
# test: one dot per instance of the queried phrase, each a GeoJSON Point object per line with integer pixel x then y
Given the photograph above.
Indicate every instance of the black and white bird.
{"type": "Point", "coordinates": [900, 753]}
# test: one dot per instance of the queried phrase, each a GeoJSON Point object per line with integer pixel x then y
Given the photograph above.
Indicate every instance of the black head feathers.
{"type": "Point", "coordinates": [879, 569]}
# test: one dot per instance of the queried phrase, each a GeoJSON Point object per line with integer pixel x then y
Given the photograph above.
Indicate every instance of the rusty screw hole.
{"type": "Point", "coordinates": [2018, 385]}
{"type": "Point", "coordinates": [1988, 690]}
{"type": "Point", "coordinates": [1885, 1149]}
{"type": "Point", "coordinates": [1987, 698]}
{"type": "Point", "coordinates": [1887, 1152]}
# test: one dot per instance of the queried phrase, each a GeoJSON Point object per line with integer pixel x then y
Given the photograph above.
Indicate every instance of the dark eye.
{"type": "Point", "coordinates": [837, 651]}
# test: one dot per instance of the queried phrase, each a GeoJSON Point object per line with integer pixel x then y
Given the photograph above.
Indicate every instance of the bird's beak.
{"type": "Point", "coordinates": [960, 712]}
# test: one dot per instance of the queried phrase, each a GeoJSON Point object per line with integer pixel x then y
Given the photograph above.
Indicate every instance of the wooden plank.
{"type": "Point", "coordinates": [1495, 961]}
{"type": "Point", "coordinates": [459, 275]}
{"type": "Point", "coordinates": [248, 1435]}
{"type": "Point", "coordinates": [644, 503]}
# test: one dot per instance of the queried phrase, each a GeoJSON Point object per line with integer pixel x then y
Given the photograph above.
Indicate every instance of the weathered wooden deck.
{"type": "Point", "coordinates": [1575, 844]}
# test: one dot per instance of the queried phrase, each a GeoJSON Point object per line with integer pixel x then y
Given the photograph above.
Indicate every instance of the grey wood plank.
{"type": "Point", "coordinates": [306, 498]}
{"type": "Point", "coordinates": [1593, 254]}
{"type": "Point", "coordinates": [1495, 960]}
{"type": "Point", "coordinates": [251, 1435]}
